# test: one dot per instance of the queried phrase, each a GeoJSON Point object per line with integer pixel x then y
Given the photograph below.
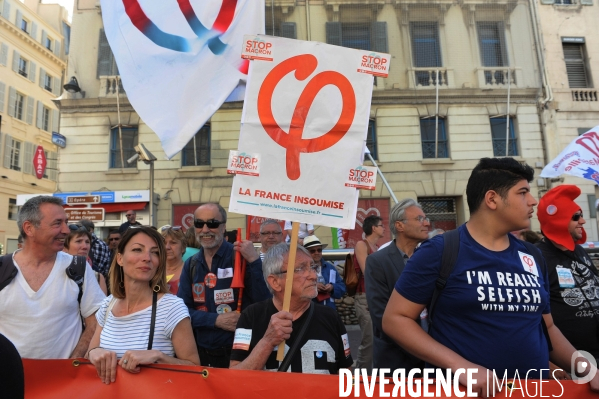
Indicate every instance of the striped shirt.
{"type": "Point", "coordinates": [132, 332]}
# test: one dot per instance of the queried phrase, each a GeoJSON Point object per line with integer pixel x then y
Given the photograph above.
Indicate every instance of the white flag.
{"type": "Point", "coordinates": [580, 158]}
{"type": "Point", "coordinates": [179, 60]}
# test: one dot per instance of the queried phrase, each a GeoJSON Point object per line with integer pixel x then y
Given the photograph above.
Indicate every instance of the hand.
{"type": "Point", "coordinates": [105, 363]}
{"type": "Point", "coordinates": [132, 359]}
{"type": "Point", "coordinates": [595, 382]}
{"type": "Point", "coordinates": [247, 250]}
{"type": "Point", "coordinates": [557, 373]}
{"type": "Point", "coordinates": [328, 288]}
{"type": "Point", "coordinates": [227, 321]}
{"type": "Point", "coordinates": [321, 287]}
{"type": "Point", "coordinates": [279, 328]}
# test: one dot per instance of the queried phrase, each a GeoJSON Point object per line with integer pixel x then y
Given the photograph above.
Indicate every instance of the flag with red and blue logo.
{"type": "Point", "coordinates": [180, 60]}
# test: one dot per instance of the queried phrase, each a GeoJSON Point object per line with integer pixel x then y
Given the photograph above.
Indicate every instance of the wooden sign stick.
{"type": "Point", "coordinates": [289, 280]}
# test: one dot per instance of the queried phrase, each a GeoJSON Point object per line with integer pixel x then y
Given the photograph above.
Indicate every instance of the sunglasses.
{"type": "Point", "coordinates": [114, 239]}
{"type": "Point", "coordinates": [212, 223]}
{"type": "Point", "coordinates": [314, 250]}
{"type": "Point", "coordinates": [174, 228]}
{"type": "Point", "coordinates": [76, 227]}
{"type": "Point", "coordinates": [129, 214]}
{"type": "Point", "coordinates": [577, 216]}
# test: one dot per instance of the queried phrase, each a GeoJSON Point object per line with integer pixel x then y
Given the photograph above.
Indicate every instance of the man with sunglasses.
{"type": "Point", "coordinates": [205, 285]}
{"type": "Point", "coordinates": [316, 340]}
{"type": "Point", "coordinates": [574, 284]}
{"type": "Point", "coordinates": [130, 215]}
{"type": "Point", "coordinates": [271, 234]}
{"type": "Point", "coordinates": [330, 285]}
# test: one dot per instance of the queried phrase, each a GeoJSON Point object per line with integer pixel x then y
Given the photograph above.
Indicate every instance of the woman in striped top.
{"type": "Point", "coordinates": [137, 276]}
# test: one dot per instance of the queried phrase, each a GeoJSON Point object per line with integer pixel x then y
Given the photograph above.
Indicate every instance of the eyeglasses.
{"type": "Point", "coordinates": [129, 214]}
{"type": "Point", "coordinates": [269, 233]}
{"type": "Point", "coordinates": [303, 270]}
{"type": "Point", "coordinates": [379, 225]}
{"type": "Point", "coordinates": [114, 239]}
{"type": "Point", "coordinates": [577, 216]}
{"type": "Point", "coordinates": [76, 227]}
{"type": "Point", "coordinates": [212, 223]}
{"type": "Point", "coordinates": [314, 250]}
{"type": "Point", "coordinates": [420, 219]}
{"type": "Point", "coordinates": [174, 228]}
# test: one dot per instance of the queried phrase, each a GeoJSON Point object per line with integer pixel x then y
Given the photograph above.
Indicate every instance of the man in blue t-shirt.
{"type": "Point", "coordinates": [489, 315]}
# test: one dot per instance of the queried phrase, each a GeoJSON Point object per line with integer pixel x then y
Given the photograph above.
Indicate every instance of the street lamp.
{"type": "Point", "coordinates": [143, 154]}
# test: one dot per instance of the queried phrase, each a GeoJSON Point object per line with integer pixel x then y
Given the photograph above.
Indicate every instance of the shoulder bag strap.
{"type": "Point", "coordinates": [8, 270]}
{"type": "Point", "coordinates": [451, 248]}
{"type": "Point", "coordinates": [153, 322]}
{"type": "Point", "coordinates": [287, 360]}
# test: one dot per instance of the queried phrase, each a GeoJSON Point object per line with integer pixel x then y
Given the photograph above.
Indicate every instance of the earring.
{"type": "Point", "coordinates": [156, 288]}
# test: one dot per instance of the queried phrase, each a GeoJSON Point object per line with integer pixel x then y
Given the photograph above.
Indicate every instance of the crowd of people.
{"type": "Point", "coordinates": [481, 296]}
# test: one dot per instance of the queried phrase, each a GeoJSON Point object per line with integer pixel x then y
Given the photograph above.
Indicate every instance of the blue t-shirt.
{"type": "Point", "coordinates": [491, 308]}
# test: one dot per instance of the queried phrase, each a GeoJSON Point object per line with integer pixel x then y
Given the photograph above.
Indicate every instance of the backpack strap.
{"type": "Point", "coordinates": [8, 271]}
{"type": "Point", "coordinates": [540, 261]}
{"type": "Point", "coordinates": [451, 247]}
{"type": "Point", "coordinates": [76, 272]}
{"type": "Point", "coordinates": [297, 341]}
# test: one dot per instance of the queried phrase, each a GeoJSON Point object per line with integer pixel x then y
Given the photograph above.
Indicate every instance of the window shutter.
{"type": "Point", "coordinates": [15, 61]}
{"type": "Point", "coordinates": [2, 93]}
{"type": "Point", "coordinates": [379, 37]}
{"type": "Point", "coordinates": [18, 19]}
{"type": "Point", "coordinates": [30, 103]}
{"type": "Point", "coordinates": [547, 1]}
{"type": "Point", "coordinates": [586, 2]}
{"type": "Point", "coordinates": [34, 30]}
{"type": "Point", "coordinates": [333, 33]}
{"type": "Point", "coordinates": [575, 66]}
{"type": "Point", "coordinates": [44, 37]}
{"type": "Point", "coordinates": [42, 78]}
{"type": "Point", "coordinates": [32, 69]}
{"type": "Point", "coordinates": [52, 166]}
{"type": "Point", "coordinates": [6, 9]}
{"type": "Point", "coordinates": [7, 150]}
{"type": "Point", "coordinates": [12, 98]}
{"type": "Point", "coordinates": [28, 158]}
{"type": "Point", "coordinates": [56, 82]}
{"type": "Point", "coordinates": [105, 57]}
{"type": "Point", "coordinates": [3, 54]}
{"type": "Point", "coordinates": [40, 115]}
{"type": "Point", "coordinates": [55, 120]}
{"type": "Point", "coordinates": [56, 48]}
{"type": "Point", "coordinates": [288, 30]}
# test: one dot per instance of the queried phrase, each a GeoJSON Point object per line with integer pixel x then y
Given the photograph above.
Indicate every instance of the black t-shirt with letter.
{"type": "Point", "coordinates": [324, 347]}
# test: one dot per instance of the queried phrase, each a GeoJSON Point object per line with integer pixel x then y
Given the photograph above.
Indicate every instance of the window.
{"type": "Point", "coordinates": [425, 50]}
{"type": "Point", "coordinates": [129, 137]}
{"type": "Point", "coordinates": [106, 63]}
{"type": "Point", "coordinates": [23, 67]}
{"type": "Point", "coordinates": [19, 104]}
{"type": "Point", "coordinates": [563, 2]}
{"type": "Point", "coordinates": [24, 25]}
{"type": "Point", "coordinates": [46, 119]}
{"type": "Point", "coordinates": [498, 133]}
{"type": "Point", "coordinates": [48, 43]}
{"type": "Point", "coordinates": [427, 134]}
{"type": "Point", "coordinates": [361, 36]}
{"type": "Point", "coordinates": [197, 151]}
{"type": "Point", "coordinates": [492, 49]}
{"type": "Point", "coordinates": [371, 139]}
{"type": "Point", "coordinates": [576, 65]}
{"type": "Point", "coordinates": [12, 209]}
{"type": "Point", "coordinates": [48, 82]}
{"type": "Point", "coordinates": [441, 212]}
{"type": "Point", "coordinates": [12, 154]}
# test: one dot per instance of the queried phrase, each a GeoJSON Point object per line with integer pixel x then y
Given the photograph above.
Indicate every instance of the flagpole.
{"type": "Point", "coordinates": [118, 113]}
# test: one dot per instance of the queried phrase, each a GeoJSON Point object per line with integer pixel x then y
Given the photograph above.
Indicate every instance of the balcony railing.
{"type": "Point", "coordinates": [584, 95]}
{"type": "Point", "coordinates": [108, 86]}
{"type": "Point", "coordinates": [420, 78]}
{"type": "Point", "coordinates": [498, 76]}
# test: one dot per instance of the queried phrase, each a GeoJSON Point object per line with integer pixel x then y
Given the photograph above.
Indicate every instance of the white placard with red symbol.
{"type": "Point", "coordinates": [361, 177]}
{"type": "Point", "coordinates": [306, 113]}
{"type": "Point", "coordinates": [528, 263]}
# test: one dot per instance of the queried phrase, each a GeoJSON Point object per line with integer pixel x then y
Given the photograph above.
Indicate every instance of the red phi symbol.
{"type": "Point", "coordinates": [304, 65]}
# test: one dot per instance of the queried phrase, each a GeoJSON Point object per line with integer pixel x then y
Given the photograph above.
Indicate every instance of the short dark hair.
{"type": "Point", "coordinates": [88, 224]}
{"type": "Point", "coordinates": [497, 174]}
{"type": "Point", "coordinates": [369, 223]}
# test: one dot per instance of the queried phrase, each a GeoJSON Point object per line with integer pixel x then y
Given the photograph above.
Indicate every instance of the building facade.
{"type": "Point", "coordinates": [33, 49]}
{"type": "Point", "coordinates": [571, 106]}
{"type": "Point", "coordinates": [463, 84]}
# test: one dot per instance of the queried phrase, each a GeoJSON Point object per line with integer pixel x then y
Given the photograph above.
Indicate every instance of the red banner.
{"type": "Point", "coordinates": [367, 207]}
{"type": "Point", "coordinates": [60, 379]}
{"type": "Point", "coordinates": [253, 225]}
{"type": "Point", "coordinates": [183, 215]}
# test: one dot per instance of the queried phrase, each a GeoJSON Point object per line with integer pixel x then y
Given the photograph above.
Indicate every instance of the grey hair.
{"type": "Point", "coordinates": [398, 213]}
{"type": "Point", "coordinates": [221, 210]}
{"type": "Point", "coordinates": [274, 258]}
{"type": "Point", "coordinates": [270, 221]}
{"type": "Point", "coordinates": [30, 211]}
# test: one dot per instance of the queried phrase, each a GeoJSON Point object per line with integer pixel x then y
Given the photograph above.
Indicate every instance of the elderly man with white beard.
{"type": "Point", "coordinates": [205, 285]}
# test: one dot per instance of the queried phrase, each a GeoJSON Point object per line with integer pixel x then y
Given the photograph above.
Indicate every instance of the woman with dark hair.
{"type": "Point", "coordinates": [78, 243]}
{"type": "Point", "coordinates": [140, 323]}
{"type": "Point", "coordinates": [174, 241]}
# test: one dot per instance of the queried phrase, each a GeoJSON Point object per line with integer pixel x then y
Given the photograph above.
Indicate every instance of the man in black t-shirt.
{"type": "Point", "coordinates": [574, 284]}
{"type": "Point", "coordinates": [324, 347]}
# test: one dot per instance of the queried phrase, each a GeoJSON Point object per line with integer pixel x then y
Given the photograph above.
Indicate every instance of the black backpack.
{"type": "Point", "coordinates": [75, 271]}
{"type": "Point", "coordinates": [451, 247]}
